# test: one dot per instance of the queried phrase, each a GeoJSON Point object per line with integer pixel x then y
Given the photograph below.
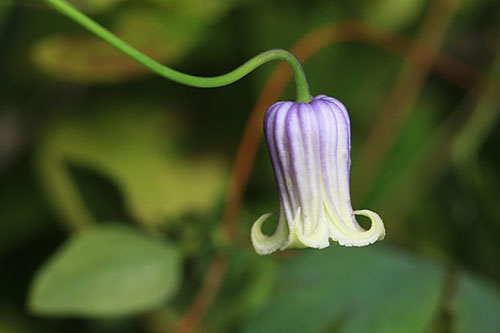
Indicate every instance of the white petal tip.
{"type": "Point", "coordinates": [264, 244]}
{"type": "Point", "coordinates": [370, 236]}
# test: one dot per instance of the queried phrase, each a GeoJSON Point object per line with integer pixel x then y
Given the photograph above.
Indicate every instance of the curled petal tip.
{"type": "Point", "coordinates": [360, 237]}
{"type": "Point", "coordinates": [377, 229]}
{"type": "Point", "coordinates": [264, 244]}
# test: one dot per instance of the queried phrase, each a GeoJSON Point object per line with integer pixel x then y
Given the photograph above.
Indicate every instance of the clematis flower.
{"type": "Point", "coordinates": [309, 145]}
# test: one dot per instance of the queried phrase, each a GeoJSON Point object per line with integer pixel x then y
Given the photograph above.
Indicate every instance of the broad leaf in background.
{"type": "Point", "coordinates": [164, 34]}
{"type": "Point", "coordinates": [106, 271]}
{"type": "Point", "coordinates": [137, 151]}
{"type": "Point", "coordinates": [476, 306]}
{"type": "Point", "coordinates": [357, 289]}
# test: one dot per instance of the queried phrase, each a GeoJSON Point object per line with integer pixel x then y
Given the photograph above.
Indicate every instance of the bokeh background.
{"type": "Point", "coordinates": [126, 200]}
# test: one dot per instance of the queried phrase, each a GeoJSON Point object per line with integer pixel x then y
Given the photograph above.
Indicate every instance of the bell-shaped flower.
{"type": "Point", "coordinates": [309, 145]}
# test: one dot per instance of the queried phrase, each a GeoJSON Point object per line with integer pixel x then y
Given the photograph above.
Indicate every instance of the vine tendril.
{"type": "Point", "coordinates": [303, 94]}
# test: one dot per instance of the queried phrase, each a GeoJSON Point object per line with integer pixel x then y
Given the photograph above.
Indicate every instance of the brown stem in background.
{"type": "Point", "coordinates": [403, 96]}
{"type": "Point", "coordinates": [449, 69]}
{"type": "Point", "coordinates": [205, 296]}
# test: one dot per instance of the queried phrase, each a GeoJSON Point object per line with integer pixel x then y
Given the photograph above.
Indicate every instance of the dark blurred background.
{"type": "Point", "coordinates": [89, 139]}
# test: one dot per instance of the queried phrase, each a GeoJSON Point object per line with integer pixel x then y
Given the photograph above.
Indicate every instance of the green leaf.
{"type": "Point", "coordinates": [360, 289]}
{"type": "Point", "coordinates": [106, 271]}
{"type": "Point", "coordinates": [137, 151]}
{"type": "Point", "coordinates": [477, 306]}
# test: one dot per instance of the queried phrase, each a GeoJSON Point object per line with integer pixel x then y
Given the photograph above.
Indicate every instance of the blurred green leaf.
{"type": "Point", "coordinates": [164, 34]}
{"type": "Point", "coordinates": [94, 6]}
{"type": "Point", "coordinates": [360, 289]}
{"type": "Point", "coordinates": [84, 59]}
{"type": "Point", "coordinates": [393, 14]}
{"type": "Point", "coordinates": [106, 271]}
{"type": "Point", "coordinates": [476, 306]}
{"type": "Point", "coordinates": [200, 9]}
{"type": "Point", "coordinates": [137, 151]}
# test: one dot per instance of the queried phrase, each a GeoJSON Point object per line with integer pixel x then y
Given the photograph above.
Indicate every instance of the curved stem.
{"type": "Point", "coordinates": [303, 94]}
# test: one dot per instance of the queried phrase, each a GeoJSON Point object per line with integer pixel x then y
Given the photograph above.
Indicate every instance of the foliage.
{"type": "Point", "coordinates": [105, 272]}
{"type": "Point", "coordinates": [114, 182]}
{"type": "Point", "coordinates": [137, 152]}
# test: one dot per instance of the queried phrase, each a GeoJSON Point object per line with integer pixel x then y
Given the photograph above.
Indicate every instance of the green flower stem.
{"type": "Point", "coordinates": [303, 94]}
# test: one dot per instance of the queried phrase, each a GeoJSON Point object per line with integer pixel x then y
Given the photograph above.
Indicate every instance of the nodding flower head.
{"type": "Point", "coordinates": [309, 145]}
